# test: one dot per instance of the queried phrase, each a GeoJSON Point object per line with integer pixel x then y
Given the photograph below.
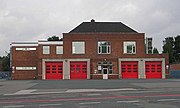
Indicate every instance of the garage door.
{"type": "Point", "coordinates": [54, 70]}
{"type": "Point", "coordinates": [153, 69]}
{"type": "Point", "coordinates": [78, 70]}
{"type": "Point", "coordinates": [129, 69]}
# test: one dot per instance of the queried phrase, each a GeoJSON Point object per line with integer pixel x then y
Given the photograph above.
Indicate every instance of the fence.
{"type": "Point", "coordinates": [174, 74]}
{"type": "Point", "coordinates": [5, 75]}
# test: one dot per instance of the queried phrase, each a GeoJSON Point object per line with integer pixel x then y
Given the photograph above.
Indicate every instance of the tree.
{"type": "Point", "coordinates": [54, 38]}
{"type": "Point", "coordinates": [6, 63]}
{"type": "Point", "coordinates": [155, 51]}
{"type": "Point", "coordinates": [168, 47]}
{"type": "Point", "coordinates": [177, 49]}
{"type": "Point", "coordinates": [172, 47]}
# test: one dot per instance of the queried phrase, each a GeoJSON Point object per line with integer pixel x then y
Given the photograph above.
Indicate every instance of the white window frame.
{"type": "Point", "coordinates": [25, 68]}
{"type": "Point", "coordinates": [81, 47]}
{"type": "Point", "coordinates": [100, 49]}
{"type": "Point", "coordinates": [59, 49]}
{"type": "Point", "coordinates": [128, 43]}
{"type": "Point", "coordinates": [46, 49]}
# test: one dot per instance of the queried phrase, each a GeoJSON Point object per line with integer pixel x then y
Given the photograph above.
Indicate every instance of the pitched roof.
{"type": "Point", "coordinates": [89, 27]}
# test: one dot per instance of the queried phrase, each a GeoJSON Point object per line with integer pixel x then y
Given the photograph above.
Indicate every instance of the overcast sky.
{"type": "Point", "coordinates": [33, 20]}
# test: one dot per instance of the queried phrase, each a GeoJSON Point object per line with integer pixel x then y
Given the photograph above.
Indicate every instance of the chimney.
{"type": "Point", "coordinates": [92, 20]}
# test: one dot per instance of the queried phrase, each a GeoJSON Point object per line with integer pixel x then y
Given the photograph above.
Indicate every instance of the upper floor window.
{"type": "Point", "coordinates": [59, 49]}
{"type": "Point", "coordinates": [130, 47]}
{"type": "Point", "coordinates": [78, 47]}
{"type": "Point", "coordinates": [104, 47]}
{"type": "Point", "coordinates": [46, 49]}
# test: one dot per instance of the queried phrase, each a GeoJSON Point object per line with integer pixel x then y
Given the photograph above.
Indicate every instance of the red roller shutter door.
{"type": "Point", "coordinates": [153, 69]}
{"type": "Point", "coordinates": [54, 70]}
{"type": "Point", "coordinates": [129, 69]}
{"type": "Point", "coordinates": [78, 70]}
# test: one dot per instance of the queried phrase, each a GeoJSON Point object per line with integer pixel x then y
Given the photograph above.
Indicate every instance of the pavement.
{"type": "Point", "coordinates": [130, 93]}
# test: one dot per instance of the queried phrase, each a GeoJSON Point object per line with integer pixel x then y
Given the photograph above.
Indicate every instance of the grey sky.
{"type": "Point", "coordinates": [32, 20]}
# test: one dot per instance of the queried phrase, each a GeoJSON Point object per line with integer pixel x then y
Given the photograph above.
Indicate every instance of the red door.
{"type": "Point", "coordinates": [78, 70]}
{"type": "Point", "coordinates": [153, 69]}
{"type": "Point", "coordinates": [129, 69]}
{"type": "Point", "coordinates": [54, 70]}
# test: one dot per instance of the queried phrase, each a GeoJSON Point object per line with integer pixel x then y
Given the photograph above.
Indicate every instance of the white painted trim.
{"type": "Point", "coordinates": [50, 42]}
{"type": "Point", "coordinates": [24, 44]}
{"type": "Point", "coordinates": [25, 49]}
{"type": "Point", "coordinates": [25, 68]}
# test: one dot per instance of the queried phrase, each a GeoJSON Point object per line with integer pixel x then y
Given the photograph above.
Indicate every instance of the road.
{"type": "Point", "coordinates": [131, 93]}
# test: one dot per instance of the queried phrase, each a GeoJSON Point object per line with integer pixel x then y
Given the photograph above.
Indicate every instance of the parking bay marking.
{"type": "Point", "coordinates": [163, 100]}
{"type": "Point", "coordinates": [127, 101]}
{"type": "Point", "coordinates": [14, 106]}
{"type": "Point", "coordinates": [43, 105]}
{"type": "Point", "coordinates": [93, 94]}
{"type": "Point", "coordinates": [88, 103]}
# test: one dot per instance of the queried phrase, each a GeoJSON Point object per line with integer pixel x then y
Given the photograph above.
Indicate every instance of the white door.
{"type": "Point", "coordinates": [105, 73]}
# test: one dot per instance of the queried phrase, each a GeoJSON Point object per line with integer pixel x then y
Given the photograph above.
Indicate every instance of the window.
{"type": "Point", "coordinates": [78, 47]}
{"type": "Point", "coordinates": [110, 69]}
{"type": "Point", "coordinates": [104, 47]}
{"type": "Point", "coordinates": [129, 47]}
{"type": "Point", "coordinates": [59, 49]}
{"type": "Point", "coordinates": [99, 69]}
{"type": "Point", "coordinates": [46, 50]}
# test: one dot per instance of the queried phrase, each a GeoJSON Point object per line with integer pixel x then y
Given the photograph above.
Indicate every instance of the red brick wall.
{"type": "Point", "coordinates": [24, 59]}
{"type": "Point", "coordinates": [52, 54]}
{"type": "Point", "coordinates": [116, 40]}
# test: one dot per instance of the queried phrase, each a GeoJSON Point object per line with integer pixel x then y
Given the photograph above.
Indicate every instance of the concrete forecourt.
{"type": "Point", "coordinates": [129, 93]}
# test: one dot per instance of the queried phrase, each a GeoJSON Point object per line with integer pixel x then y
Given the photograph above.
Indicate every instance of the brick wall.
{"type": "Point", "coordinates": [25, 59]}
{"type": "Point", "coordinates": [116, 40]}
{"type": "Point", "coordinates": [175, 67]}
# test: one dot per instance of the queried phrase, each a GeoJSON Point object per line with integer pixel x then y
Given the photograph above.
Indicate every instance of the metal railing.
{"type": "Point", "coordinates": [5, 75]}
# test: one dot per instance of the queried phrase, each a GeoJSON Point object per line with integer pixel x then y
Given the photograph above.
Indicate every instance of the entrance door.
{"type": "Point", "coordinates": [105, 73]}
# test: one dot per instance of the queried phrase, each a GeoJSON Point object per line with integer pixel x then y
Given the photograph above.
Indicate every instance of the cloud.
{"type": "Point", "coordinates": [31, 20]}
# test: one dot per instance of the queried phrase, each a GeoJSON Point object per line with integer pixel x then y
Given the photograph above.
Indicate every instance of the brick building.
{"type": "Point", "coordinates": [92, 50]}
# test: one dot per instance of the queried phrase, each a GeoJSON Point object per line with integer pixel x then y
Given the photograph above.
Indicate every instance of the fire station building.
{"type": "Point", "coordinates": [92, 50]}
